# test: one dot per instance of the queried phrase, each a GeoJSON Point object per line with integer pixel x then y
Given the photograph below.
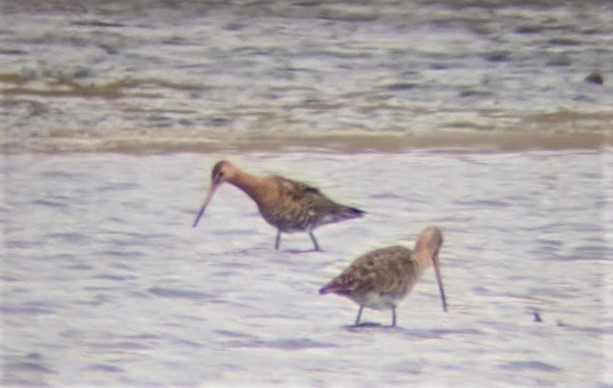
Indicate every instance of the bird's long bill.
{"type": "Point", "coordinates": [207, 199]}
{"type": "Point", "coordinates": [439, 280]}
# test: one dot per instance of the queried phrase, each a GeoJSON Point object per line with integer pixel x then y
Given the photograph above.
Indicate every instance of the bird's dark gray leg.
{"type": "Point", "coordinates": [394, 316]}
{"type": "Point", "coordinates": [357, 319]}
{"type": "Point", "coordinates": [278, 240]}
{"type": "Point", "coordinates": [314, 240]}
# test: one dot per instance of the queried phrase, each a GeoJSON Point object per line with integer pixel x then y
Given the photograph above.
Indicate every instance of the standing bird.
{"type": "Point", "coordinates": [288, 205]}
{"type": "Point", "coordinates": [381, 278]}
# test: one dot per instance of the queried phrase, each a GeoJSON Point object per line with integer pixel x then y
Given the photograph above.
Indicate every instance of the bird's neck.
{"type": "Point", "coordinates": [250, 184]}
{"type": "Point", "coordinates": [424, 259]}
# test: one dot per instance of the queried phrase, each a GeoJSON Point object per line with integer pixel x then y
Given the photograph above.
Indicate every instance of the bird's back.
{"type": "Point", "coordinates": [299, 206]}
{"type": "Point", "coordinates": [386, 273]}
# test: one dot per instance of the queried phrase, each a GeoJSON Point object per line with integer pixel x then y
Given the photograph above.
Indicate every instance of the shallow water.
{"type": "Point", "coordinates": [474, 116]}
{"type": "Point", "coordinates": [105, 282]}
{"type": "Point", "coordinates": [84, 74]}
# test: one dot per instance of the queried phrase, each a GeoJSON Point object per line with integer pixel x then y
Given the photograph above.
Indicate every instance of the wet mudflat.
{"type": "Point", "coordinates": [104, 280]}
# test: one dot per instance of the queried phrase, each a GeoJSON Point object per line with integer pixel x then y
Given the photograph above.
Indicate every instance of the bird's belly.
{"type": "Point", "coordinates": [288, 219]}
{"type": "Point", "coordinates": [377, 300]}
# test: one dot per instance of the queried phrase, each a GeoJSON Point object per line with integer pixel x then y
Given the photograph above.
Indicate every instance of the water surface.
{"type": "Point", "coordinates": [82, 74]}
{"type": "Point", "coordinates": [474, 116]}
{"type": "Point", "coordinates": [105, 282]}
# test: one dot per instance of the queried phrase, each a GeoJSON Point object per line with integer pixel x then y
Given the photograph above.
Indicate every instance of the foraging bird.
{"type": "Point", "coordinates": [381, 278]}
{"type": "Point", "coordinates": [288, 205]}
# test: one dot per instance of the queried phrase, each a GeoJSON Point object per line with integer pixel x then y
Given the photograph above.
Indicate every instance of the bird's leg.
{"type": "Point", "coordinates": [314, 240]}
{"type": "Point", "coordinates": [278, 240]}
{"type": "Point", "coordinates": [357, 319]}
{"type": "Point", "coordinates": [394, 316]}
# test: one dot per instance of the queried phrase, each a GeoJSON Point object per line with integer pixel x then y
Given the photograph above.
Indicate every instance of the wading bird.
{"type": "Point", "coordinates": [288, 205]}
{"type": "Point", "coordinates": [381, 278]}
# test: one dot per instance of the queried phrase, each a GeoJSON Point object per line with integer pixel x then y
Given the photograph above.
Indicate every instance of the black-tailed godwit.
{"type": "Point", "coordinates": [381, 278]}
{"type": "Point", "coordinates": [288, 205]}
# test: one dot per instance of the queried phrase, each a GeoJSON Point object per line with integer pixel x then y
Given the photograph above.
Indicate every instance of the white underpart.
{"type": "Point", "coordinates": [377, 301]}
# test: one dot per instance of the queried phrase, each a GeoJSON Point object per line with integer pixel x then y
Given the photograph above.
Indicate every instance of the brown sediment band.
{"type": "Point", "coordinates": [333, 142]}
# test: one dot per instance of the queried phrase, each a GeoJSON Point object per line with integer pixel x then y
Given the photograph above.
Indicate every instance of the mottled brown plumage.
{"type": "Point", "coordinates": [381, 278]}
{"type": "Point", "coordinates": [288, 205]}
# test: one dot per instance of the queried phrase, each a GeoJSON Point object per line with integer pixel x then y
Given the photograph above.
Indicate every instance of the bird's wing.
{"type": "Point", "coordinates": [296, 189]}
{"type": "Point", "coordinates": [314, 202]}
{"type": "Point", "coordinates": [306, 195]}
{"type": "Point", "coordinates": [368, 271]}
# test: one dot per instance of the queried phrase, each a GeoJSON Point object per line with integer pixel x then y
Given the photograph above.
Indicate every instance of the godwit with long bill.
{"type": "Point", "coordinates": [288, 205]}
{"type": "Point", "coordinates": [380, 279]}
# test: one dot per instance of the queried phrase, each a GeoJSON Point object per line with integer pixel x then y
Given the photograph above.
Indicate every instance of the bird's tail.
{"type": "Point", "coordinates": [347, 213]}
{"type": "Point", "coordinates": [325, 289]}
{"type": "Point", "coordinates": [334, 288]}
{"type": "Point", "coordinates": [339, 213]}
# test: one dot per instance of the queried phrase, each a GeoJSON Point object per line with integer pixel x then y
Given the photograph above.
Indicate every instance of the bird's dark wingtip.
{"type": "Point", "coordinates": [357, 212]}
{"type": "Point", "coordinates": [335, 288]}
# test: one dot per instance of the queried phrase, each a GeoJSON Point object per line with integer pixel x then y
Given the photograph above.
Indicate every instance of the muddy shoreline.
{"type": "Point", "coordinates": [338, 142]}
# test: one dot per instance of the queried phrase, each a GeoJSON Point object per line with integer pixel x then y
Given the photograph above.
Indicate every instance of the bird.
{"type": "Point", "coordinates": [288, 205]}
{"type": "Point", "coordinates": [380, 279]}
